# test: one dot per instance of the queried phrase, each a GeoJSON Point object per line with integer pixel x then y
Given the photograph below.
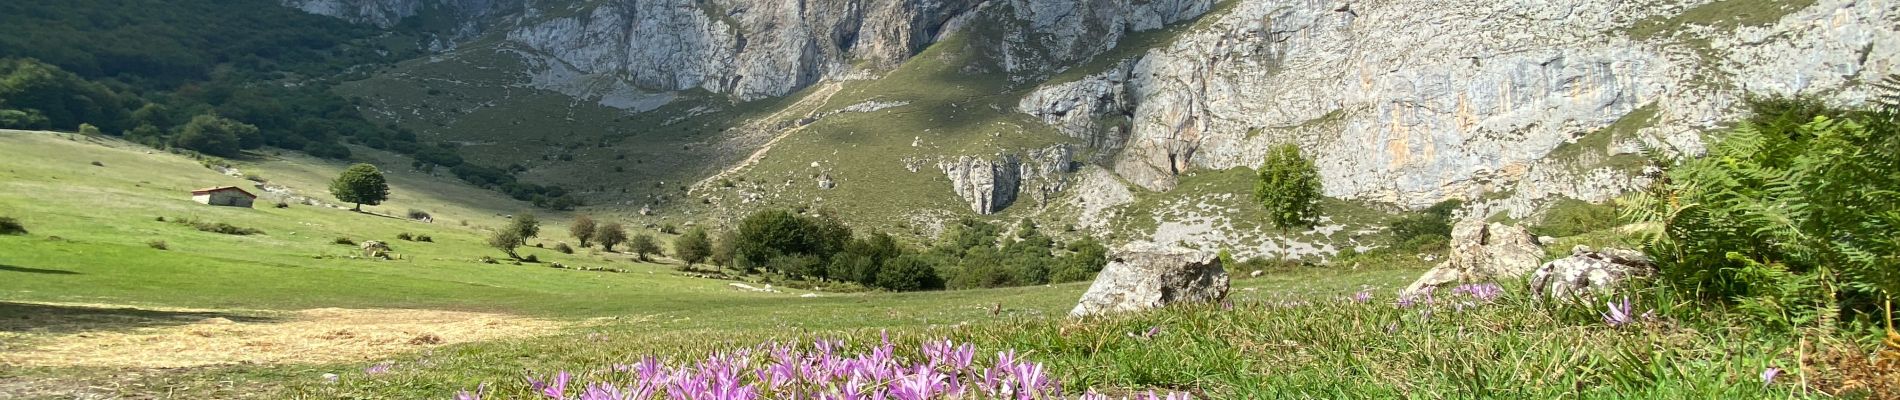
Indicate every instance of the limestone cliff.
{"type": "Point", "coordinates": [1411, 102]}
{"type": "Point", "coordinates": [1511, 104]}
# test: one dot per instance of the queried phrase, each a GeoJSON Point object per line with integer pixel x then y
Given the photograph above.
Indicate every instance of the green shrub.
{"type": "Point", "coordinates": [10, 226]}
{"type": "Point", "coordinates": [1791, 216]}
{"type": "Point", "coordinates": [563, 248]}
{"type": "Point", "coordinates": [1419, 229]}
{"type": "Point", "coordinates": [218, 227]}
{"type": "Point", "coordinates": [425, 238]}
{"type": "Point", "coordinates": [530, 258]}
{"type": "Point", "coordinates": [909, 273]}
{"type": "Point", "coordinates": [405, 236]}
{"type": "Point", "coordinates": [344, 241]}
{"type": "Point", "coordinates": [158, 244]}
{"type": "Point", "coordinates": [1571, 217]}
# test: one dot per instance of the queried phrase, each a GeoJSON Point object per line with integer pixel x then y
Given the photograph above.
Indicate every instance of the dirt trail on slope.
{"type": "Point", "coordinates": [321, 335]}
{"type": "Point", "coordinates": [809, 105]}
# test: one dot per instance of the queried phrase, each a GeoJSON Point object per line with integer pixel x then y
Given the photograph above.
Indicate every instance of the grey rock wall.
{"type": "Point", "coordinates": [1412, 102]}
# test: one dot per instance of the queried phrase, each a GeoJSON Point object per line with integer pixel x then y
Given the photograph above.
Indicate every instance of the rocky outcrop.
{"type": "Point", "coordinates": [1483, 252]}
{"type": "Point", "coordinates": [1096, 108]}
{"type": "Point", "coordinates": [1032, 38]}
{"type": "Point", "coordinates": [469, 15]}
{"type": "Point", "coordinates": [749, 49]}
{"type": "Point", "coordinates": [1142, 276]}
{"type": "Point", "coordinates": [992, 184]}
{"type": "Point", "coordinates": [1589, 271]}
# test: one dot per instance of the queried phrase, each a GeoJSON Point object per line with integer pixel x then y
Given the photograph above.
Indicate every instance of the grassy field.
{"type": "Point", "coordinates": [1291, 334]}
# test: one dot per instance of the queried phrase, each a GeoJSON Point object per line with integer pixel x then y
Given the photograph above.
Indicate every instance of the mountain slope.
{"type": "Point", "coordinates": [939, 110]}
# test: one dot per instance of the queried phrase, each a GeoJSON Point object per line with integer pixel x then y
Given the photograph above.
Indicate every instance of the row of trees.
{"type": "Point", "coordinates": [972, 254]}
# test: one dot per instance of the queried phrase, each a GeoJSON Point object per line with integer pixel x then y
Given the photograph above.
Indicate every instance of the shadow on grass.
{"type": "Point", "coordinates": [4, 267]}
{"type": "Point", "coordinates": [48, 318]}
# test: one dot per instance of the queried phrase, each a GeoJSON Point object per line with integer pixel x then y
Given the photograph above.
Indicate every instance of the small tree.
{"type": "Point", "coordinates": [360, 184]}
{"type": "Point", "coordinates": [609, 235]}
{"type": "Point", "coordinates": [583, 229]}
{"type": "Point", "coordinates": [1289, 187]}
{"type": "Point", "coordinates": [526, 226]}
{"type": "Point", "coordinates": [89, 130]}
{"type": "Point", "coordinates": [693, 247]}
{"type": "Point", "coordinates": [725, 249]}
{"type": "Point", "coordinates": [642, 245]}
{"type": "Point", "coordinates": [506, 241]}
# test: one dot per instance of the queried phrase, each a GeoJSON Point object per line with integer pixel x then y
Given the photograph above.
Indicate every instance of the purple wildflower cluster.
{"type": "Point", "coordinates": [822, 371]}
{"type": "Point", "coordinates": [1466, 295]}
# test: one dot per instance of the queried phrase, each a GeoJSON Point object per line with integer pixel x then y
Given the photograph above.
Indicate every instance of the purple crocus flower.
{"type": "Point", "coordinates": [1768, 375]}
{"type": "Point", "coordinates": [379, 369]}
{"type": "Point", "coordinates": [601, 391]}
{"type": "Point", "coordinates": [1619, 315]}
{"type": "Point", "coordinates": [1363, 296]}
{"type": "Point", "coordinates": [556, 389]}
{"type": "Point", "coordinates": [479, 391]}
{"type": "Point", "coordinates": [1482, 291]}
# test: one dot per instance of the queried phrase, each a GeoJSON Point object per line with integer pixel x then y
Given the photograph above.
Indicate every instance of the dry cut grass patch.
{"type": "Point", "coordinates": [323, 335]}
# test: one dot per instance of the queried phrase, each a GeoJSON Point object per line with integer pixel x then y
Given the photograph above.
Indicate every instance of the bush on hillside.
{"type": "Point", "coordinates": [1424, 230]}
{"type": "Point", "coordinates": [218, 227]}
{"type": "Point", "coordinates": [770, 234]}
{"type": "Point", "coordinates": [909, 273]}
{"type": "Point", "coordinates": [641, 245]}
{"type": "Point", "coordinates": [405, 236]}
{"type": "Point", "coordinates": [420, 215]}
{"type": "Point", "coordinates": [530, 258]}
{"type": "Point", "coordinates": [10, 226]}
{"type": "Point", "coordinates": [158, 244]}
{"type": "Point", "coordinates": [425, 238]}
{"type": "Point", "coordinates": [563, 248]}
{"type": "Point", "coordinates": [1791, 216]}
{"type": "Point", "coordinates": [343, 241]}
{"type": "Point", "coordinates": [1571, 217]}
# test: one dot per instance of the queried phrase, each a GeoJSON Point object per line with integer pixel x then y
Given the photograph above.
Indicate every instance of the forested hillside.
{"type": "Point", "coordinates": [216, 77]}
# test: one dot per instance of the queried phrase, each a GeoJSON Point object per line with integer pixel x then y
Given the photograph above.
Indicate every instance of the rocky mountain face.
{"type": "Point", "coordinates": [1412, 102]}
{"type": "Point", "coordinates": [1510, 104]}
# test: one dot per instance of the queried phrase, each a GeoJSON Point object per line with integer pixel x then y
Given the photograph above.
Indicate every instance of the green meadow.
{"type": "Point", "coordinates": [87, 268]}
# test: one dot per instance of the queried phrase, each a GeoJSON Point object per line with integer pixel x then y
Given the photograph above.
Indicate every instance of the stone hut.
{"type": "Point", "coordinates": [224, 196]}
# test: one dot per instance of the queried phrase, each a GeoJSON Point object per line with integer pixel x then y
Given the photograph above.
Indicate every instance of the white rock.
{"type": "Point", "coordinates": [1142, 276]}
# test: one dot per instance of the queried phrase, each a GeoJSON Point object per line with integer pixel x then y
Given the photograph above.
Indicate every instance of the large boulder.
{"type": "Point", "coordinates": [1482, 252]}
{"type": "Point", "coordinates": [1589, 271]}
{"type": "Point", "coordinates": [1142, 276]}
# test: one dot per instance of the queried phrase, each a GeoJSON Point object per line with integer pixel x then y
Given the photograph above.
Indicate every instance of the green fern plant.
{"type": "Point", "coordinates": [1791, 216]}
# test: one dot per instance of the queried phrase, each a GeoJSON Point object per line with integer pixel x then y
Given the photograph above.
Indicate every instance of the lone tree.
{"type": "Point", "coordinates": [525, 225]}
{"type": "Point", "coordinates": [642, 245]}
{"type": "Point", "coordinates": [582, 229]}
{"type": "Point", "coordinates": [693, 247]}
{"type": "Point", "coordinates": [515, 234]}
{"type": "Point", "coordinates": [361, 184]}
{"type": "Point", "coordinates": [610, 234]}
{"type": "Point", "coordinates": [1289, 188]}
{"type": "Point", "coordinates": [506, 241]}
